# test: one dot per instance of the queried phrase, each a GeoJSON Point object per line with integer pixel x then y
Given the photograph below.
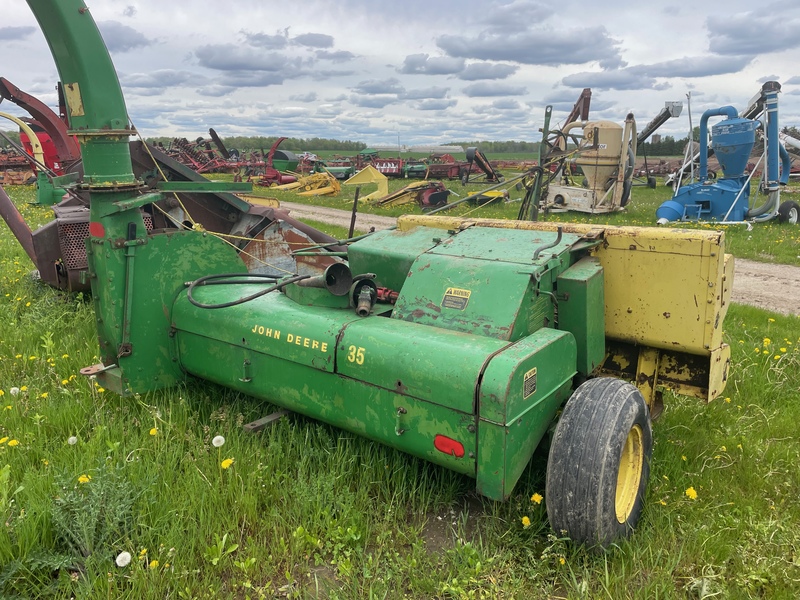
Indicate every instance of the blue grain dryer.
{"type": "Point", "coordinates": [732, 140]}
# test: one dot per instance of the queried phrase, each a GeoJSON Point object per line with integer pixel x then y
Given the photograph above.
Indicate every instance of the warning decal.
{"type": "Point", "coordinates": [456, 298]}
{"type": "Point", "coordinates": [529, 383]}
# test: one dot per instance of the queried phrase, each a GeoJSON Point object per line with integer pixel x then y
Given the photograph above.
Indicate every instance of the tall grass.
{"type": "Point", "coordinates": [305, 510]}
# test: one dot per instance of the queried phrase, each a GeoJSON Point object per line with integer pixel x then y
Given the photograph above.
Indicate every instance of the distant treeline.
{"type": "Point", "coordinates": [666, 146]}
{"type": "Point", "coordinates": [498, 147]}
{"type": "Point", "coordinates": [322, 144]}
{"type": "Point", "coordinates": [12, 135]}
{"type": "Point", "coordinates": [293, 144]}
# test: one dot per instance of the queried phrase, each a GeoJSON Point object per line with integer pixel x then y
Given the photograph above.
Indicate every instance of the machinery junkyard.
{"type": "Point", "coordinates": [434, 372]}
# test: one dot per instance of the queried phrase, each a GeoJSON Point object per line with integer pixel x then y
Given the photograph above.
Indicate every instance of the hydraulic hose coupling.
{"type": "Point", "coordinates": [366, 298]}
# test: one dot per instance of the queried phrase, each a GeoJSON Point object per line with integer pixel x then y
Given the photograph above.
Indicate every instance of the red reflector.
{"type": "Point", "coordinates": [96, 229]}
{"type": "Point", "coordinates": [449, 446]}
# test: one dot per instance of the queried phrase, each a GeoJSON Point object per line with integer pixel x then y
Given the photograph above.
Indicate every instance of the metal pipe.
{"type": "Point", "coordinates": [741, 191]}
{"type": "Point", "coordinates": [772, 143]}
{"type": "Point", "coordinates": [17, 225]}
{"type": "Point", "coordinates": [474, 196]}
{"type": "Point", "coordinates": [355, 211]}
{"type": "Point", "coordinates": [722, 111]}
{"type": "Point", "coordinates": [557, 241]}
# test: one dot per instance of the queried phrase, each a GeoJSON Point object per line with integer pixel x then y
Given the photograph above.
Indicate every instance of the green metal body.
{"type": "Point", "coordinates": [467, 370]}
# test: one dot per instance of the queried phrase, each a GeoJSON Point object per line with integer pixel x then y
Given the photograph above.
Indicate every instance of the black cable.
{"type": "Point", "coordinates": [228, 279]}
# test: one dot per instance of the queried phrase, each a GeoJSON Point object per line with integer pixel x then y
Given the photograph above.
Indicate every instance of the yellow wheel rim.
{"type": "Point", "coordinates": [630, 474]}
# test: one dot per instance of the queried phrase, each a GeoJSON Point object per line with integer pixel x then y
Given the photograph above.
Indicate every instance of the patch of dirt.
{"type": "Point", "coordinates": [336, 216]}
{"type": "Point", "coordinates": [769, 286]}
{"type": "Point", "coordinates": [442, 530]}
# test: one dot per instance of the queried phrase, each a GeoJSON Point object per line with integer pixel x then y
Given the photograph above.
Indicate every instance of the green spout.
{"type": "Point", "coordinates": [95, 104]}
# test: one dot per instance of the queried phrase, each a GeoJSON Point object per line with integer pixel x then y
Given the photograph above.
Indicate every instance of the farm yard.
{"type": "Point", "coordinates": [139, 497]}
{"type": "Point", "coordinates": [563, 365]}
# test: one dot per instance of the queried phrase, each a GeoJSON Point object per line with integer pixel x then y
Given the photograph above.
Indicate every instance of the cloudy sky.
{"type": "Point", "coordinates": [419, 71]}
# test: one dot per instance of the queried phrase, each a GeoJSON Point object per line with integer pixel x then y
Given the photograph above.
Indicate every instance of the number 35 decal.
{"type": "Point", "coordinates": [355, 355]}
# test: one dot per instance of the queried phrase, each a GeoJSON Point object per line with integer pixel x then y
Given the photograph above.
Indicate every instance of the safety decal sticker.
{"type": "Point", "coordinates": [456, 298]}
{"type": "Point", "coordinates": [529, 383]}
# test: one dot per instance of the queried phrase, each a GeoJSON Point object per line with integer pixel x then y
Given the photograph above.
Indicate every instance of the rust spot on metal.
{"type": "Point", "coordinates": [434, 307]}
{"type": "Point", "coordinates": [417, 313]}
{"type": "Point", "coordinates": [400, 388]}
{"type": "Point", "coordinates": [667, 315]}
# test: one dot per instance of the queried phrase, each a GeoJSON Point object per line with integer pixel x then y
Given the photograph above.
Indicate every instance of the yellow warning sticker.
{"type": "Point", "coordinates": [529, 383]}
{"type": "Point", "coordinates": [456, 298]}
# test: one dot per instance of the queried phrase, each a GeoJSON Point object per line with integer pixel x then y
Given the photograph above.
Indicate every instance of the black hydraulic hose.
{"type": "Point", "coordinates": [230, 278]}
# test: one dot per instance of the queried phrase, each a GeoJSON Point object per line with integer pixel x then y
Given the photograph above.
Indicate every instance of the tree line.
{"type": "Point", "coordinates": [265, 142]}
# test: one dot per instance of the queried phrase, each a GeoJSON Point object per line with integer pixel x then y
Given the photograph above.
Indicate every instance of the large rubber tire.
{"type": "Point", "coordinates": [599, 463]}
{"type": "Point", "coordinates": [789, 212]}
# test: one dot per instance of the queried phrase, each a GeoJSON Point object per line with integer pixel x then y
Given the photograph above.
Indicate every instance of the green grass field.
{"type": "Point", "coordinates": [303, 510]}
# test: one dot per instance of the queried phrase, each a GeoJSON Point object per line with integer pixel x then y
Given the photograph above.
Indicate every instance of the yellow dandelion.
{"type": "Point", "coordinates": [783, 349]}
{"type": "Point", "coordinates": [683, 458]}
{"type": "Point", "coordinates": [739, 446]}
{"type": "Point", "coordinates": [84, 478]}
{"type": "Point", "coordinates": [723, 448]}
{"type": "Point", "coordinates": [767, 341]}
{"type": "Point", "coordinates": [7, 407]}
{"type": "Point", "coordinates": [31, 357]}
{"type": "Point", "coordinates": [3, 440]}
{"type": "Point", "coordinates": [154, 431]}
{"type": "Point", "coordinates": [64, 381]}
{"type": "Point", "coordinates": [771, 320]}
{"type": "Point", "coordinates": [142, 552]}
{"type": "Point", "coordinates": [18, 356]}
{"type": "Point", "coordinates": [44, 395]}
{"type": "Point", "coordinates": [65, 356]}
{"type": "Point", "coordinates": [153, 564]}
{"type": "Point", "coordinates": [13, 443]}
{"type": "Point", "coordinates": [2, 393]}
{"type": "Point", "coordinates": [45, 462]}
{"type": "Point", "coordinates": [662, 502]}
{"type": "Point", "coordinates": [777, 357]}
{"type": "Point", "coordinates": [691, 493]}
{"type": "Point", "coordinates": [537, 498]}
{"type": "Point", "coordinates": [24, 388]}
{"type": "Point", "coordinates": [562, 560]}
{"type": "Point", "coordinates": [226, 463]}
{"type": "Point", "coordinates": [526, 522]}
{"type": "Point", "coordinates": [728, 400]}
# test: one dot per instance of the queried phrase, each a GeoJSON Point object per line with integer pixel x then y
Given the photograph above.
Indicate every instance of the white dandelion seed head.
{"type": "Point", "coordinates": [72, 440]}
{"type": "Point", "coordinates": [123, 559]}
{"type": "Point", "coordinates": [218, 441]}
{"type": "Point", "coordinates": [14, 391]}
